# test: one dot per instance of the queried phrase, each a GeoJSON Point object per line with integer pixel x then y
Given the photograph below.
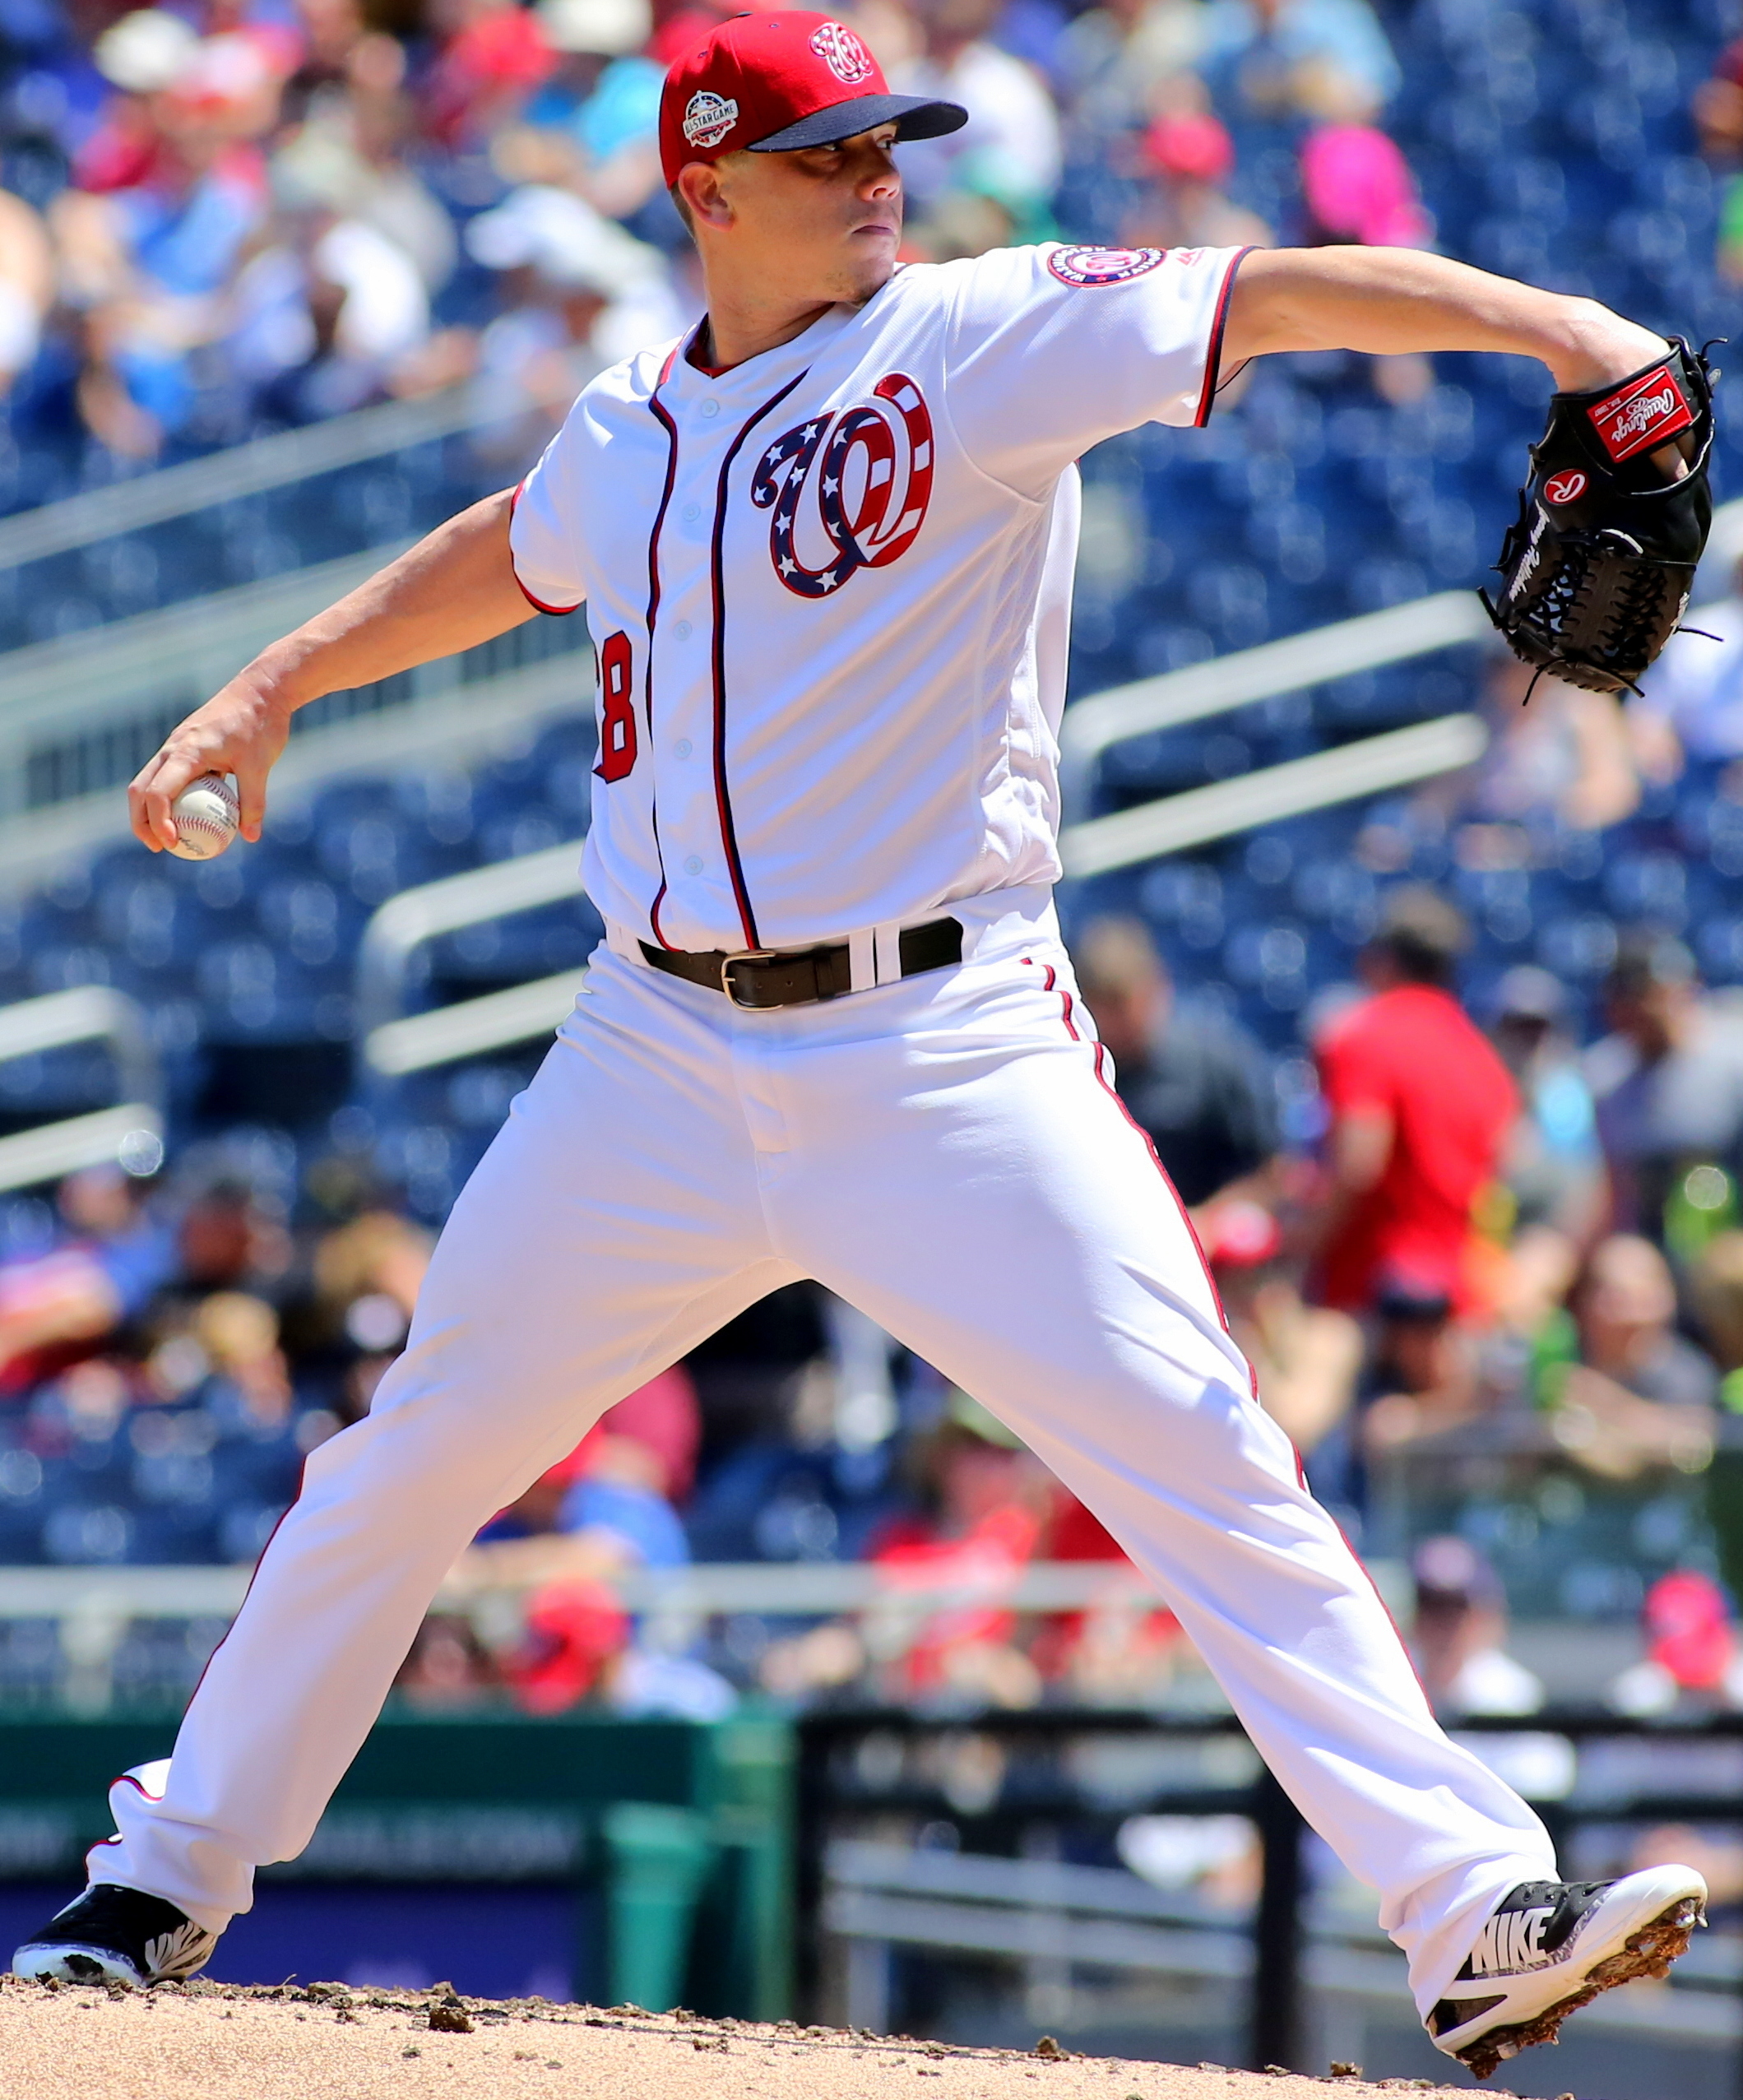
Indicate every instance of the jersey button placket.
{"type": "Point", "coordinates": [687, 633]}
{"type": "Point", "coordinates": [700, 838]}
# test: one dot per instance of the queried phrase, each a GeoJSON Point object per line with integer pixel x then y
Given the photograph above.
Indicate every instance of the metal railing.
{"type": "Point", "coordinates": [404, 923]}
{"type": "Point", "coordinates": [78, 714]}
{"type": "Point", "coordinates": [1369, 643]}
{"type": "Point", "coordinates": [65, 754]}
{"type": "Point", "coordinates": [784, 1588]}
{"type": "Point", "coordinates": [1093, 725]}
{"type": "Point", "coordinates": [93, 1607]}
{"type": "Point", "coordinates": [993, 1773]}
{"type": "Point", "coordinates": [472, 1027]}
{"type": "Point", "coordinates": [85, 712]}
{"type": "Point", "coordinates": [1397, 758]}
{"type": "Point", "coordinates": [248, 470]}
{"type": "Point", "coordinates": [89, 1014]}
{"type": "Point", "coordinates": [1291, 1946]}
{"type": "Point", "coordinates": [130, 1133]}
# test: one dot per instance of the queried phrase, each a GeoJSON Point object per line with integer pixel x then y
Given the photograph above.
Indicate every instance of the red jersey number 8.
{"type": "Point", "coordinates": [616, 726]}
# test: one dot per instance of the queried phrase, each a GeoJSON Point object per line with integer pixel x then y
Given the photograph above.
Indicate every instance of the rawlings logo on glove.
{"type": "Point", "coordinates": [1643, 413]}
{"type": "Point", "coordinates": [1596, 569]}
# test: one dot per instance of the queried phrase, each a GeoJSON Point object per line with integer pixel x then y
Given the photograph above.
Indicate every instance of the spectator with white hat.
{"type": "Point", "coordinates": [325, 314]}
{"type": "Point", "coordinates": [578, 294]}
{"type": "Point", "coordinates": [146, 257]}
{"type": "Point", "coordinates": [599, 110]}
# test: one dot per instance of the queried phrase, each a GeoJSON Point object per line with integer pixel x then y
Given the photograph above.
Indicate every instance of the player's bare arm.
{"type": "Point", "coordinates": [454, 589]}
{"type": "Point", "coordinates": [1596, 569]}
{"type": "Point", "coordinates": [1385, 300]}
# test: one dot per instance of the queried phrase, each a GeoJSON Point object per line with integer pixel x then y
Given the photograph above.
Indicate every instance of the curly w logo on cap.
{"type": "Point", "coordinates": [843, 53]}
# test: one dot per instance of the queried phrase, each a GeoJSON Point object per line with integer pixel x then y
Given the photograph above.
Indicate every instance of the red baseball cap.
{"type": "Point", "coordinates": [1193, 146]}
{"type": "Point", "coordinates": [774, 82]}
{"type": "Point", "coordinates": [1240, 1234]}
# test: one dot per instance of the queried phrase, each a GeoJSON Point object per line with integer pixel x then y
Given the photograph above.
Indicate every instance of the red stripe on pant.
{"type": "Point", "coordinates": [1066, 1013]}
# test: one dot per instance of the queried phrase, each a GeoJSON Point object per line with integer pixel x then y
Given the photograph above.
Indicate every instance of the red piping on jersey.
{"type": "Point", "coordinates": [687, 351]}
{"type": "Point", "coordinates": [670, 428]}
{"type": "Point", "coordinates": [723, 801]}
{"type": "Point", "coordinates": [1053, 984]}
{"type": "Point", "coordinates": [537, 604]}
{"type": "Point", "coordinates": [696, 365]}
{"type": "Point", "coordinates": [1213, 353]}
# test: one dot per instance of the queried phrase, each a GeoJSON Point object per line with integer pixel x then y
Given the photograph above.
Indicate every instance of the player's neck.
{"type": "Point", "coordinates": [731, 333]}
{"type": "Point", "coordinates": [754, 306]}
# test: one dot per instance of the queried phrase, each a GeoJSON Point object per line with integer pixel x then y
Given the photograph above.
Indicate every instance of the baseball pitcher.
{"type": "Point", "coordinates": [825, 546]}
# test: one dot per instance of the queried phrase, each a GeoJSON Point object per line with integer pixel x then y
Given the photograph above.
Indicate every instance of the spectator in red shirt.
{"type": "Point", "coordinates": [1421, 1107]}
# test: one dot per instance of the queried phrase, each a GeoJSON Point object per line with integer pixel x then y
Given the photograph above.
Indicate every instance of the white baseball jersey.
{"type": "Point", "coordinates": [830, 589]}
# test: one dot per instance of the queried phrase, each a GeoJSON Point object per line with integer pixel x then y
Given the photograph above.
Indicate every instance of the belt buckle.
{"type": "Point", "coordinates": [742, 955]}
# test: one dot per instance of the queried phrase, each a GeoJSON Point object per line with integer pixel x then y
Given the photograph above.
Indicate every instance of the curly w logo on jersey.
{"type": "Point", "coordinates": [848, 490]}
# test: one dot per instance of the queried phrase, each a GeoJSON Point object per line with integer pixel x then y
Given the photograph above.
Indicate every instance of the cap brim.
{"type": "Point", "coordinates": [915, 116]}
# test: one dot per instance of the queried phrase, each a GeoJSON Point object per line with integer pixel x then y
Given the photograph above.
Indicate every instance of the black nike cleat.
{"type": "Point", "coordinates": [111, 1934]}
{"type": "Point", "coordinates": [1550, 1947]}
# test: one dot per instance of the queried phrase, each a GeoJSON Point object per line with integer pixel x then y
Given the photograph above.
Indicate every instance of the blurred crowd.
{"type": "Point", "coordinates": [227, 217]}
{"type": "Point", "coordinates": [170, 1352]}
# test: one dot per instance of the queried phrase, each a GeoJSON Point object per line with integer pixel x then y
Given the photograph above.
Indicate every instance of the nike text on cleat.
{"type": "Point", "coordinates": [1550, 1947]}
{"type": "Point", "coordinates": [111, 1934]}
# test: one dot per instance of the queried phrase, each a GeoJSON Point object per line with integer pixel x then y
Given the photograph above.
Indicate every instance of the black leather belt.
{"type": "Point", "coordinates": [758, 978]}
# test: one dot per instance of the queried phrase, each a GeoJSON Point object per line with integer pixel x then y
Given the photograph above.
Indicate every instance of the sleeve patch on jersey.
{"type": "Point", "coordinates": [1102, 265]}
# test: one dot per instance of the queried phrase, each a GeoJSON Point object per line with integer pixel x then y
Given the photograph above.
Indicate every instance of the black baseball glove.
{"type": "Point", "coordinates": [1596, 573]}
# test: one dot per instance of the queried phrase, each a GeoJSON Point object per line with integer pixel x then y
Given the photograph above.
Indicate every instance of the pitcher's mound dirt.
{"type": "Point", "coordinates": [214, 2042]}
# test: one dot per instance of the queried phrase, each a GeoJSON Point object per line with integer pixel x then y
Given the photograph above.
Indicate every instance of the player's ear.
{"type": "Point", "coordinates": [699, 185]}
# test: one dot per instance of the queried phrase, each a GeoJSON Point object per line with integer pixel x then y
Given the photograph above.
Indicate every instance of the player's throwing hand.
{"type": "Point", "coordinates": [241, 730]}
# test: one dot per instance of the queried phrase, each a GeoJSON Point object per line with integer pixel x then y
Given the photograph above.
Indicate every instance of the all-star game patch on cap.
{"type": "Point", "coordinates": [771, 83]}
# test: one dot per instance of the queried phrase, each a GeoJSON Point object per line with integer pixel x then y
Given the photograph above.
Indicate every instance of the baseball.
{"type": "Point", "coordinates": [205, 813]}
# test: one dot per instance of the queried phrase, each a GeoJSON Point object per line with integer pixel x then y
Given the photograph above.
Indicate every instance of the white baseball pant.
{"type": "Point", "coordinates": [945, 1153]}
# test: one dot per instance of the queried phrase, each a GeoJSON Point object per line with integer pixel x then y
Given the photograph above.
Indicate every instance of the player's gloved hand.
{"type": "Point", "coordinates": [1596, 569]}
{"type": "Point", "coordinates": [241, 730]}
